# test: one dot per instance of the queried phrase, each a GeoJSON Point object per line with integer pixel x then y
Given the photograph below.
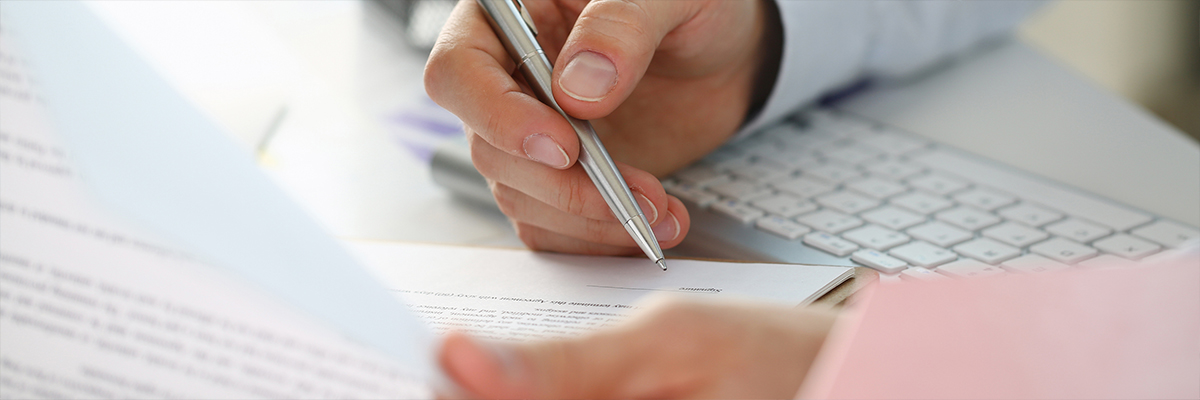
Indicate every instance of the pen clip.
{"type": "Point", "coordinates": [525, 16]}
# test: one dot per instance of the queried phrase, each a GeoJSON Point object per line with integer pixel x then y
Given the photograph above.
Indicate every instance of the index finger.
{"type": "Point", "coordinates": [470, 74]}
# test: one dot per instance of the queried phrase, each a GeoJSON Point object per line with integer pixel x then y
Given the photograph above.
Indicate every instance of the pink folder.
{"type": "Point", "coordinates": [1087, 334]}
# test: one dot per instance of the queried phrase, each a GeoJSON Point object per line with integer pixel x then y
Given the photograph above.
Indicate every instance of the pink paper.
{"type": "Point", "coordinates": [1094, 334]}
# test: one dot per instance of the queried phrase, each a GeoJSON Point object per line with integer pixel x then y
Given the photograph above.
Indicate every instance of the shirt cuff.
{"type": "Point", "coordinates": [825, 44]}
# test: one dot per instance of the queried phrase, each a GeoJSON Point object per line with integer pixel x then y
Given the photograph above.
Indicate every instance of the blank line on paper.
{"type": "Point", "coordinates": [682, 289]}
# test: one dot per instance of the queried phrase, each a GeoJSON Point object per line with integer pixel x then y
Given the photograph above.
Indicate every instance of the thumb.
{"type": "Point", "coordinates": [609, 50]}
{"type": "Point", "coordinates": [555, 369]}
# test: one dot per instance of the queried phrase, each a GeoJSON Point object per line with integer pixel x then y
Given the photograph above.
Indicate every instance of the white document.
{"type": "Point", "coordinates": [150, 156]}
{"type": "Point", "coordinates": [93, 306]}
{"type": "Point", "coordinates": [505, 294]}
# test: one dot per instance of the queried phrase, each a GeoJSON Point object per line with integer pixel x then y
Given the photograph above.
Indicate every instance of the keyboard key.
{"type": "Point", "coordinates": [1030, 214]}
{"type": "Point", "coordinates": [1033, 263]}
{"type": "Point", "coordinates": [842, 140]}
{"type": "Point", "coordinates": [921, 274]}
{"type": "Point", "coordinates": [1078, 230]}
{"type": "Point", "coordinates": [894, 144]}
{"type": "Point", "coordinates": [968, 269]}
{"type": "Point", "coordinates": [738, 210]}
{"type": "Point", "coordinates": [876, 237]}
{"type": "Point", "coordinates": [1034, 190]}
{"type": "Point", "coordinates": [758, 173]}
{"type": "Point", "coordinates": [923, 254]}
{"type": "Point", "coordinates": [895, 170]}
{"type": "Point", "coordinates": [761, 146]}
{"type": "Point", "coordinates": [1167, 233]}
{"type": "Point", "coordinates": [987, 250]}
{"type": "Point", "coordinates": [829, 221]}
{"type": "Point", "coordinates": [847, 202]}
{"type": "Point", "coordinates": [793, 160]}
{"type": "Point", "coordinates": [1063, 250]}
{"type": "Point", "coordinates": [876, 188]}
{"type": "Point", "coordinates": [803, 187]}
{"type": "Point", "coordinates": [832, 173]}
{"type": "Point", "coordinates": [1107, 261]}
{"type": "Point", "coordinates": [830, 244]}
{"type": "Point", "coordinates": [852, 155]}
{"type": "Point", "coordinates": [968, 218]}
{"type": "Point", "coordinates": [1126, 246]}
{"type": "Point", "coordinates": [785, 205]}
{"type": "Point", "coordinates": [921, 203]}
{"type": "Point", "coordinates": [693, 194]}
{"type": "Point", "coordinates": [781, 226]}
{"type": "Point", "coordinates": [938, 184]}
{"type": "Point", "coordinates": [790, 175]}
{"type": "Point", "coordinates": [892, 217]}
{"type": "Point", "coordinates": [983, 199]}
{"type": "Point", "coordinates": [741, 190]}
{"type": "Point", "coordinates": [940, 234]}
{"type": "Point", "coordinates": [879, 261]}
{"type": "Point", "coordinates": [806, 142]}
{"type": "Point", "coordinates": [1014, 234]}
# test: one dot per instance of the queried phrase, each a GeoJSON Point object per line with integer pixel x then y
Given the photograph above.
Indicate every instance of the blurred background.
{"type": "Point", "coordinates": [1146, 50]}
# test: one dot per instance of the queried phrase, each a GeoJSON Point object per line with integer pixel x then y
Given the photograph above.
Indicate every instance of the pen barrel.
{"type": "Point", "coordinates": [519, 40]}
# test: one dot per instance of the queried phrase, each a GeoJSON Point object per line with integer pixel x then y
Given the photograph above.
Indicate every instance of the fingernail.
{"type": "Point", "coordinates": [543, 149]}
{"type": "Point", "coordinates": [667, 230]}
{"type": "Point", "coordinates": [588, 77]}
{"type": "Point", "coordinates": [647, 207]}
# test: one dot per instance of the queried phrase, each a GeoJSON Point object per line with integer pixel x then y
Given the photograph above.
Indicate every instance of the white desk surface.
{"type": "Point", "coordinates": [339, 79]}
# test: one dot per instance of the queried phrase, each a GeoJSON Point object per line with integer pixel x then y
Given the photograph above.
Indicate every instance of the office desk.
{"type": "Point", "coordinates": [328, 130]}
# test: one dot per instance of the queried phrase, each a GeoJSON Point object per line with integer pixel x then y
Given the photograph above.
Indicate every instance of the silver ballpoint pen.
{"type": "Point", "coordinates": [516, 30]}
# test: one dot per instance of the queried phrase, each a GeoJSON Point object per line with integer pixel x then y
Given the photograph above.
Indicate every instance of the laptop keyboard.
{"type": "Point", "coordinates": [906, 206]}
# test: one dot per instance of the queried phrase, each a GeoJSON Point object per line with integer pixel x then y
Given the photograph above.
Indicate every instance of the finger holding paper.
{"type": "Point", "coordinates": [672, 349]}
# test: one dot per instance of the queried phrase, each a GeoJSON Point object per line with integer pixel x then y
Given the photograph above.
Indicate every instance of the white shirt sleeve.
{"type": "Point", "coordinates": [830, 44]}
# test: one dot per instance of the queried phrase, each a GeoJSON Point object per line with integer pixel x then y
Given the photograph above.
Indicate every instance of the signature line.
{"type": "Point", "coordinates": [645, 289]}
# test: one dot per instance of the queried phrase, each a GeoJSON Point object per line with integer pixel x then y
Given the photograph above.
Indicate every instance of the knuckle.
{"type": "Point", "coordinates": [630, 16]}
{"type": "Point", "coordinates": [595, 231]}
{"type": "Point", "coordinates": [496, 128]}
{"type": "Point", "coordinates": [435, 77]}
{"type": "Point", "coordinates": [573, 200]}
{"type": "Point", "coordinates": [493, 125]}
{"type": "Point", "coordinates": [625, 23]}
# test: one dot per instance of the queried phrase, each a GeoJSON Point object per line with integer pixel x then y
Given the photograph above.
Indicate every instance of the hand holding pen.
{"type": "Point", "coordinates": [663, 82]}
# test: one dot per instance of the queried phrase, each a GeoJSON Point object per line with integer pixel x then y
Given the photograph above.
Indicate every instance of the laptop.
{"type": "Point", "coordinates": [879, 180]}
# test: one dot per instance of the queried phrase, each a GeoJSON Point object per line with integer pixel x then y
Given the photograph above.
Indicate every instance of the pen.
{"type": "Point", "coordinates": [517, 32]}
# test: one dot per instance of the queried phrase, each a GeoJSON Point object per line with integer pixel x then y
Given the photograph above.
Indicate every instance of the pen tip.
{"type": "Point", "coordinates": [663, 264]}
